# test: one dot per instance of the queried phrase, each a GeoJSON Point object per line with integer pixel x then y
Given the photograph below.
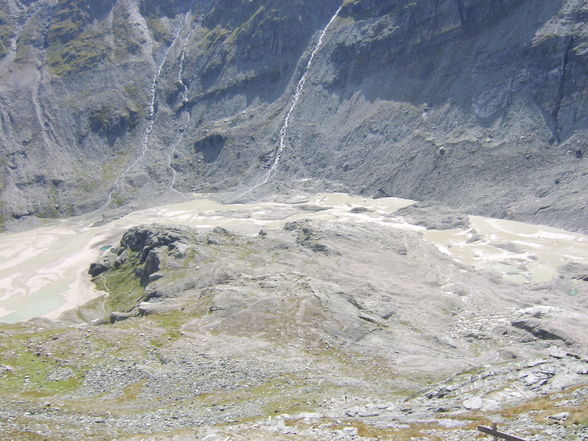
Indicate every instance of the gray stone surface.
{"type": "Point", "coordinates": [473, 104]}
{"type": "Point", "coordinates": [262, 337]}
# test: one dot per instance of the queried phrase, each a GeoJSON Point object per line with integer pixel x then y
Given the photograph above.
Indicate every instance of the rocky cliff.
{"type": "Point", "coordinates": [477, 104]}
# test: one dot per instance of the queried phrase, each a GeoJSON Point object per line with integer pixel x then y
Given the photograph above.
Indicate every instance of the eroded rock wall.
{"type": "Point", "coordinates": [480, 105]}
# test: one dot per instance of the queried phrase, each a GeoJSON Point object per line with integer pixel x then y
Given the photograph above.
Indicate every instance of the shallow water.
{"type": "Point", "coordinates": [533, 253]}
{"type": "Point", "coordinates": [43, 271]}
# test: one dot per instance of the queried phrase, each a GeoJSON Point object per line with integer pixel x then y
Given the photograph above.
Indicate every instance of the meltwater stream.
{"type": "Point", "coordinates": [183, 97]}
{"type": "Point", "coordinates": [295, 99]}
{"type": "Point", "coordinates": [151, 108]}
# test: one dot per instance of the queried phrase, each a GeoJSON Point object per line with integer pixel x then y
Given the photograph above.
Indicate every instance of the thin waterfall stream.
{"type": "Point", "coordinates": [295, 99]}
{"type": "Point", "coordinates": [151, 109]}
{"type": "Point", "coordinates": [183, 98]}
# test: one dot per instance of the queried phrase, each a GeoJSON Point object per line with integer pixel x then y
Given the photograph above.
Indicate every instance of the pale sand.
{"type": "Point", "coordinates": [551, 247]}
{"type": "Point", "coordinates": [51, 262]}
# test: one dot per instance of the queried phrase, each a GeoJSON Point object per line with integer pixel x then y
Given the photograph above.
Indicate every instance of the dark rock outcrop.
{"type": "Point", "coordinates": [146, 238]}
{"type": "Point", "coordinates": [540, 330]}
{"type": "Point", "coordinates": [306, 236]}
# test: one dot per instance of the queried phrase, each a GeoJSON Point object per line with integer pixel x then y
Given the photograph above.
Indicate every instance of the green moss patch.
{"type": "Point", "coordinates": [122, 285]}
{"type": "Point", "coordinates": [30, 371]}
{"type": "Point", "coordinates": [171, 324]}
{"type": "Point", "coordinates": [85, 52]}
{"type": "Point", "coordinates": [6, 34]}
{"type": "Point", "coordinates": [158, 29]}
{"type": "Point", "coordinates": [74, 43]}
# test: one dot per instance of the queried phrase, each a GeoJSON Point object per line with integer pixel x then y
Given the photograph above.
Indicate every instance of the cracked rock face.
{"type": "Point", "coordinates": [478, 105]}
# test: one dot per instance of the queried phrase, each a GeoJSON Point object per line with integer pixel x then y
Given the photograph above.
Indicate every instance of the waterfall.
{"type": "Point", "coordinates": [182, 58]}
{"type": "Point", "coordinates": [173, 150]}
{"type": "Point", "coordinates": [151, 108]}
{"type": "Point", "coordinates": [183, 96]}
{"type": "Point", "coordinates": [295, 99]}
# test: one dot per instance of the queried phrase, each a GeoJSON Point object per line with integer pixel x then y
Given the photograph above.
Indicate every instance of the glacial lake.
{"type": "Point", "coordinates": [44, 271]}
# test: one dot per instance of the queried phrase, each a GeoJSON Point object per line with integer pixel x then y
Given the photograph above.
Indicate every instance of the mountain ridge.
{"type": "Point", "coordinates": [476, 105]}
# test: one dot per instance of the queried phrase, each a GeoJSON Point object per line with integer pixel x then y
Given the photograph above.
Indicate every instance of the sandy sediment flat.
{"type": "Point", "coordinates": [43, 271]}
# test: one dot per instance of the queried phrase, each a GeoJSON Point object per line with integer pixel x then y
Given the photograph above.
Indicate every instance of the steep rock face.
{"type": "Point", "coordinates": [480, 105]}
{"type": "Point", "coordinates": [470, 110]}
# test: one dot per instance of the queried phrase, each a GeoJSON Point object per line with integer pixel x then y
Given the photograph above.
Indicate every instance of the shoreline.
{"type": "Point", "coordinates": [51, 262]}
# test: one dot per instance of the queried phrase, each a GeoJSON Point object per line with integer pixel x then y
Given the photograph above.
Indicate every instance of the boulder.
{"type": "Point", "coordinates": [474, 403]}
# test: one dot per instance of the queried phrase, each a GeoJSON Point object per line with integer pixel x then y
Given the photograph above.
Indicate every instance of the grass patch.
{"type": "Point", "coordinates": [6, 34]}
{"type": "Point", "coordinates": [580, 416]}
{"type": "Point", "coordinates": [249, 25]}
{"type": "Point", "coordinates": [122, 285]}
{"type": "Point", "coordinates": [281, 395]}
{"type": "Point", "coordinates": [23, 435]}
{"type": "Point", "coordinates": [125, 41]}
{"type": "Point", "coordinates": [30, 366]}
{"type": "Point", "coordinates": [112, 168]}
{"type": "Point", "coordinates": [80, 54]}
{"type": "Point", "coordinates": [74, 42]}
{"type": "Point", "coordinates": [419, 431]}
{"type": "Point", "coordinates": [215, 36]}
{"type": "Point", "coordinates": [132, 391]}
{"type": "Point", "coordinates": [24, 42]}
{"type": "Point", "coordinates": [552, 404]}
{"type": "Point", "coordinates": [171, 323]}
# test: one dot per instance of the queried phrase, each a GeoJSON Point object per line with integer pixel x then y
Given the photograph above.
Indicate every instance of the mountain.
{"type": "Point", "coordinates": [302, 313]}
{"type": "Point", "coordinates": [474, 104]}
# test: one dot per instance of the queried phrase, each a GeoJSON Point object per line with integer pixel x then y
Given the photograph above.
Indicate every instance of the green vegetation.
{"type": "Point", "coordinates": [158, 29]}
{"type": "Point", "coordinates": [358, 10]}
{"type": "Point", "coordinates": [6, 34]}
{"type": "Point", "coordinates": [132, 391]}
{"type": "Point", "coordinates": [24, 44]}
{"type": "Point", "coordinates": [29, 368]}
{"type": "Point", "coordinates": [540, 408]}
{"type": "Point", "coordinates": [49, 209]}
{"type": "Point", "coordinates": [83, 53]}
{"type": "Point", "coordinates": [171, 323]}
{"type": "Point", "coordinates": [279, 395]}
{"type": "Point", "coordinates": [249, 26]}
{"type": "Point", "coordinates": [215, 36]}
{"type": "Point", "coordinates": [122, 285]}
{"type": "Point", "coordinates": [133, 92]}
{"type": "Point", "coordinates": [72, 45]}
{"type": "Point", "coordinates": [580, 415]}
{"type": "Point", "coordinates": [125, 40]}
{"type": "Point", "coordinates": [77, 42]}
{"type": "Point", "coordinates": [111, 168]}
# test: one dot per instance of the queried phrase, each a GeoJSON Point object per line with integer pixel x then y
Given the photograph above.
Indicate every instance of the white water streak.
{"type": "Point", "coordinates": [182, 59]}
{"type": "Point", "coordinates": [183, 99]}
{"type": "Point", "coordinates": [173, 150]}
{"type": "Point", "coordinates": [296, 98]}
{"type": "Point", "coordinates": [151, 110]}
